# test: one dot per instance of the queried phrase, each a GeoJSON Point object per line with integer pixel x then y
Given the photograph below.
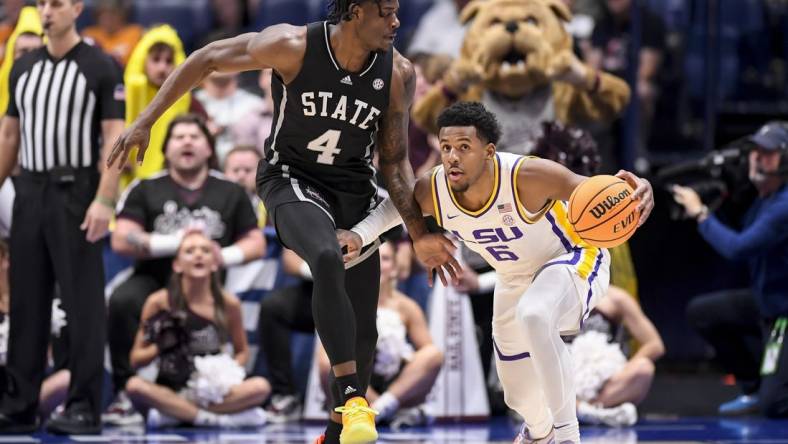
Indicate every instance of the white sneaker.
{"type": "Point", "coordinates": [284, 408]}
{"type": "Point", "coordinates": [624, 415]}
{"type": "Point", "coordinates": [121, 412]}
{"type": "Point", "coordinates": [410, 417]}
{"type": "Point", "coordinates": [158, 420]}
{"type": "Point", "coordinates": [523, 437]}
{"type": "Point", "coordinates": [254, 417]}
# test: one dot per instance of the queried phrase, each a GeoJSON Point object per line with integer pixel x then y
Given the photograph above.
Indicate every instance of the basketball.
{"type": "Point", "coordinates": [602, 211]}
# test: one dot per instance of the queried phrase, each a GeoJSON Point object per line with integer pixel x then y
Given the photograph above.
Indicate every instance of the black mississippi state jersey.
{"type": "Point", "coordinates": [326, 120]}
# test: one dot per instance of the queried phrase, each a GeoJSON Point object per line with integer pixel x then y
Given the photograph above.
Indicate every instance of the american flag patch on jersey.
{"type": "Point", "coordinates": [505, 208]}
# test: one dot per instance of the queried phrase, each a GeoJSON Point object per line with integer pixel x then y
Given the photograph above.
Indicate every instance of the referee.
{"type": "Point", "coordinates": [66, 101]}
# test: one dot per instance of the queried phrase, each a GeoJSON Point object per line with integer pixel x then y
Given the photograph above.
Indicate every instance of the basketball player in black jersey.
{"type": "Point", "coordinates": [340, 89]}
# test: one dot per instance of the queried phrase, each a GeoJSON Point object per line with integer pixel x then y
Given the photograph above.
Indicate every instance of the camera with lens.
{"type": "Point", "coordinates": [720, 177]}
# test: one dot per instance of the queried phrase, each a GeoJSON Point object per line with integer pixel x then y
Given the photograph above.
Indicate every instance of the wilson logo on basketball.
{"type": "Point", "coordinates": [602, 211]}
{"type": "Point", "coordinates": [608, 204]}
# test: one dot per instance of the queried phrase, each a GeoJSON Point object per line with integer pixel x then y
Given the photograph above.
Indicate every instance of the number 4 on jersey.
{"type": "Point", "coordinates": [326, 145]}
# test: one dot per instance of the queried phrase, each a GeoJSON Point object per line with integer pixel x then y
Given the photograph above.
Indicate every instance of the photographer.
{"type": "Point", "coordinates": [746, 327]}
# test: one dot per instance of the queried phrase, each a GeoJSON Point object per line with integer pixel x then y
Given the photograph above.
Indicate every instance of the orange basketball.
{"type": "Point", "coordinates": [602, 211]}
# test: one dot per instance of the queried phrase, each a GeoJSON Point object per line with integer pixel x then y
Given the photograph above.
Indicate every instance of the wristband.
{"type": "Point", "coordinates": [305, 271]}
{"type": "Point", "coordinates": [163, 245]}
{"type": "Point", "coordinates": [362, 233]}
{"type": "Point", "coordinates": [106, 201]}
{"type": "Point", "coordinates": [232, 255]}
{"type": "Point", "coordinates": [383, 218]}
{"type": "Point", "coordinates": [487, 281]}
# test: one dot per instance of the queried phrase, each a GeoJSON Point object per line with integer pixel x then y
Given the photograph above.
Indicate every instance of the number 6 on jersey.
{"type": "Point", "coordinates": [326, 145]}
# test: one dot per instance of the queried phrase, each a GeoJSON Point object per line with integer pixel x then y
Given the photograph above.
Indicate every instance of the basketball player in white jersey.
{"type": "Point", "coordinates": [512, 210]}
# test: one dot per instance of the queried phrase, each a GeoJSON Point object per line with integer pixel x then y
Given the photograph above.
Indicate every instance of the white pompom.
{"type": "Point", "coordinates": [3, 339]}
{"type": "Point", "coordinates": [212, 379]}
{"type": "Point", "coordinates": [58, 318]}
{"type": "Point", "coordinates": [594, 360]}
{"type": "Point", "coordinates": [392, 347]}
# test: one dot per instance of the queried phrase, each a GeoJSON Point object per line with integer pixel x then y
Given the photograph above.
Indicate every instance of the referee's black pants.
{"type": "Point", "coordinates": [48, 247]}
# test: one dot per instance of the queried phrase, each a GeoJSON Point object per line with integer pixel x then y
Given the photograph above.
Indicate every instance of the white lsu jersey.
{"type": "Point", "coordinates": [512, 240]}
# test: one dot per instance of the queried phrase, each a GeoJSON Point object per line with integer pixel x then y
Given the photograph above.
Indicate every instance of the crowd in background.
{"type": "Point", "coordinates": [223, 125]}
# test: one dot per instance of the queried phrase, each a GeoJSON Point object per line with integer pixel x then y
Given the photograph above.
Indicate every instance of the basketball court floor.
{"type": "Point", "coordinates": [498, 430]}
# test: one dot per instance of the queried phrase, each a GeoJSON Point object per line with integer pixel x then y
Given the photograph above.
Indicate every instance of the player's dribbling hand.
{"type": "Point", "coordinates": [352, 242]}
{"type": "Point", "coordinates": [643, 192]}
{"type": "Point", "coordinates": [135, 136]}
{"type": "Point", "coordinates": [436, 252]}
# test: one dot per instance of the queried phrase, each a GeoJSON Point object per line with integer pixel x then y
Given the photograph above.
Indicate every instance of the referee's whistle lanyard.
{"type": "Point", "coordinates": [774, 346]}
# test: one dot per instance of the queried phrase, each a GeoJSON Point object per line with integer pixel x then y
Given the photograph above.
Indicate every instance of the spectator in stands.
{"type": "Point", "coordinates": [440, 30]}
{"type": "Point", "coordinates": [55, 386]}
{"type": "Point", "coordinates": [230, 16]}
{"type": "Point", "coordinates": [112, 32]}
{"type": "Point", "coordinates": [582, 24]}
{"type": "Point", "coordinates": [612, 38]}
{"type": "Point", "coordinates": [240, 167]}
{"type": "Point", "coordinates": [226, 104]}
{"type": "Point", "coordinates": [11, 10]}
{"type": "Point", "coordinates": [406, 361]}
{"type": "Point", "coordinates": [619, 317]}
{"type": "Point", "coordinates": [187, 326]}
{"type": "Point", "coordinates": [26, 37]}
{"type": "Point", "coordinates": [730, 320]}
{"type": "Point", "coordinates": [152, 215]}
{"type": "Point", "coordinates": [253, 128]}
{"type": "Point", "coordinates": [612, 42]}
{"type": "Point", "coordinates": [156, 56]}
{"type": "Point", "coordinates": [283, 311]}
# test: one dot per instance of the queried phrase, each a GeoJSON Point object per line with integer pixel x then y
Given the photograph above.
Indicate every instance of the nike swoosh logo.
{"type": "Point", "coordinates": [452, 217]}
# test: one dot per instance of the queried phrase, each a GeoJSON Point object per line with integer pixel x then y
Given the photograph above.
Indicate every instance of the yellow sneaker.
{"type": "Point", "coordinates": [358, 422]}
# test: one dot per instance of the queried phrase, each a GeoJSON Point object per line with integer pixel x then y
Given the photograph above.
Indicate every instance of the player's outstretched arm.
{"type": "Point", "coordinates": [279, 47]}
{"type": "Point", "coordinates": [435, 251]}
{"type": "Point", "coordinates": [381, 219]}
{"type": "Point", "coordinates": [540, 180]}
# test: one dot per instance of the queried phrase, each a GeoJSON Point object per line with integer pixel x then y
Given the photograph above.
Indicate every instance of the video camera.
{"type": "Point", "coordinates": [718, 177]}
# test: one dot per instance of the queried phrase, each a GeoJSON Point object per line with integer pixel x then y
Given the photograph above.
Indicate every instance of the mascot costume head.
{"type": "Point", "coordinates": [517, 59]}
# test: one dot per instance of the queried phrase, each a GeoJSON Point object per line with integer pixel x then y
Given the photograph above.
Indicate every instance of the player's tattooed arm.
{"type": "Point", "coordinates": [435, 251]}
{"type": "Point", "coordinates": [393, 147]}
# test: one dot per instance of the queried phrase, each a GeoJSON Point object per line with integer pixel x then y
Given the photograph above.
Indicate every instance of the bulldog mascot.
{"type": "Point", "coordinates": [517, 59]}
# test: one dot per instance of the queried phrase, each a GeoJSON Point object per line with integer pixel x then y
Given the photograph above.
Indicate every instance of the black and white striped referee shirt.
{"type": "Point", "coordinates": [61, 103]}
